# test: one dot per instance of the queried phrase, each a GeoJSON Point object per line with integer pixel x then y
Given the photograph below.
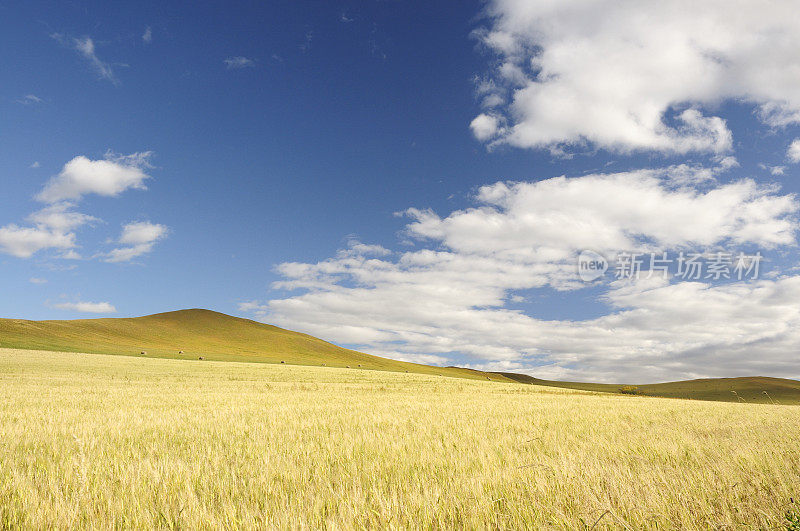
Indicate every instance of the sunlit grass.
{"type": "Point", "coordinates": [110, 441]}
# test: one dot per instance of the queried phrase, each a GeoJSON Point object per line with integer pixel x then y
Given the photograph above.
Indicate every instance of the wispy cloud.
{"type": "Point", "coordinates": [147, 36]}
{"type": "Point", "coordinates": [29, 99]}
{"type": "Point", "coordinates": [237, 62]}
{"type": "Point", "coordinates": [86, 48]}
{"type": "Point", "coordinates": [35, 164]}
{"type": "Point", "coordinates": [306, 44]}
{"type": "Point", "coordinates": [85, 307]}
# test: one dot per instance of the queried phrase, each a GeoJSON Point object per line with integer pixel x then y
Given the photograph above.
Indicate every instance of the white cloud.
{"type": "Point", "coordinates": [36, 280]}
{"type": "Point", "coordinates": [53, 228]}
{"type": "Point", "coordinates": [773, 170]}
{"type": "Point", "coordinates": [252, 306]}
{"type": "Point", "coordinates": [147, 36]}
{"type": "Point", "coordinates": [356, 248]}
{"type": "Point", "coordinates": [485, 126]}
{"type": "Point", "coordinates": [793, 153]}
{"type": "Point", "coordinates": [86, 307]}
{"type": "Point", "coordinates": [239, 62]}
{"type": "Point", "coordinates": [60, 217]}
{"type": "Point", "coordinates": [138, 238]}
{"type": "Point", "coordinates": [23, 242]}
{"type": "Point", "coordinates": [107, 177]}
{"type": "Point", "coordinates": [35, 164]}
{"type": "Point", "coordinates": [71, 254]}
{"type": "Point", "coordinates": [142, 232]}
{"type": "Point", "coordinates": [637, 75]}
{"type": "Point", "coordinates": [450, 296]}
{"type": "Point", "coordinates": [29, 99]}
{"type": "Point", "coordinates": [613, 212]}
{"type": "Point", "coordinates": [86, 48]}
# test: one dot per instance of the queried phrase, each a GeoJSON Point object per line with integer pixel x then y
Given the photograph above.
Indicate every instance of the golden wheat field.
{"type": "Point", "coordinates": [93, 441]}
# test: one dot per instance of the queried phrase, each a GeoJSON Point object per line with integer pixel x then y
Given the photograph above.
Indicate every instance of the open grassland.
{"type": "Point", "coordinates": [111, 441]}
{"type": "Point", "coordinates": [191, 334]}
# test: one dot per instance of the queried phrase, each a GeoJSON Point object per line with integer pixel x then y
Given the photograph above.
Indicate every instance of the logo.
{"type": "Point", "coordinates": [591, 266]}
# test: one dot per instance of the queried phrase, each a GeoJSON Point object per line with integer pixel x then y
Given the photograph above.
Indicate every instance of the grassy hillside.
{"type": "Point", "coordinates": [107, 442]}
{"type": "Point", "coordinates": [212, 335]}
{"type": "Point", "coordinates": [755, 389]}
{"type": "Point", "coordinates": [219, 337]}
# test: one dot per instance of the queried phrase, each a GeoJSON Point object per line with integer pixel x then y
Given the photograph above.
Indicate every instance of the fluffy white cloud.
{"type": "Point", "coordinates": [484, 126]}
{"type": "Point", "coordinates": [54, 228]}
{"type": "Point", "coordinates": [793, 153]}
{"type": "Point", "coordinates": [86, 307]}
{"type": "Point", "coordinates": [107, 177]}
{"type": "Point", "coordinates": [613, 212]}
{"type": "Point", "coordinates": [628, 75]}
{"type": "Point", "coordinates": [453, 296]}
{"type": "Point", "coordinates": [23, 242]}
{"type": "Point", "coordinates": [147, 36]}
{"type": "Point", "coordinates": [142, 232]}
{"type": "Point", "coordinates": [138, 238]}
{"type": "Point", "coordinates": [238, 62]}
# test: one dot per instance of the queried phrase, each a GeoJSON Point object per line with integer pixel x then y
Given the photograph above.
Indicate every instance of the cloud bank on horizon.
{"type": "Point", "coordinates": [456, 294]}
{"type": "Point", "coordinates": [568, 76]}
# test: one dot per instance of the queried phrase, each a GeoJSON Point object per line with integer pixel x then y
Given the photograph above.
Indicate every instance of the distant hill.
{"type": "Point", "coordinates": [752, 389]}
{"type": "Point", "coordinates": [201, 333]}
{"type": "Point", "coordinates": [216, 336]}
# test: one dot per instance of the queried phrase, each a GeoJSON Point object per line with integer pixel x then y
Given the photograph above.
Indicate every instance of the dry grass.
{"type": "Point", "coordinates": [105, 441]}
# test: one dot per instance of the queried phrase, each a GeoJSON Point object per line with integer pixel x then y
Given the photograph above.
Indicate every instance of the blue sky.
{"type": "Point", "coordinates": [260, 160]}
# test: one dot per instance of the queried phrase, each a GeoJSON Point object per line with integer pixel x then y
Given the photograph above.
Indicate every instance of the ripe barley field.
{"type": "Point", "coordinates": [94, 441]}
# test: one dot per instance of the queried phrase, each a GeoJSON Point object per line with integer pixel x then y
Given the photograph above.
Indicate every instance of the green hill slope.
{"type": "Point", "coordinates": [753, 389]}
{"type": "Point", "coordinates": [212, 335]}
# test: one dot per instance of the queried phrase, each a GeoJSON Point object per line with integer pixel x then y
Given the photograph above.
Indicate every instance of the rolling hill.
{"type": "Point", "coordinates": [753, 389]}
{"type": "Point", "coordinates": [201, 333]}
{"type": "Point", "coordinates": [190, 334]}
